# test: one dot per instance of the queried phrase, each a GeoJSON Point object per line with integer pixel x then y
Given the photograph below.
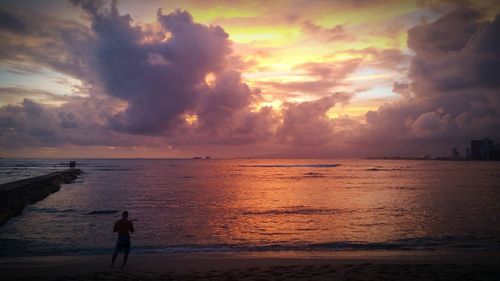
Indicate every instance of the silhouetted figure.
{"type": "Point", "coordinates": [123, 227]}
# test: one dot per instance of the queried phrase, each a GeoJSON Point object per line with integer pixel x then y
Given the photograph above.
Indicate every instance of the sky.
{"type": "Point", "coordinates": [305, 79]}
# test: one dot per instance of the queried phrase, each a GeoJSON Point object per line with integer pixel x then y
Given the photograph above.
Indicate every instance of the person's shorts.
{"type": "Point", "coordinates": [123, 244]}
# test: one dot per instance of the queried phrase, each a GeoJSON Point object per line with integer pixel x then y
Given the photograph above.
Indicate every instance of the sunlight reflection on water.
{"type": "Point", "coordinates": [224, 205]}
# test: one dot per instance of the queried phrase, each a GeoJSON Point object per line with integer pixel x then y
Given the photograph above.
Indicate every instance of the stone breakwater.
{"type": "Point", "coordinates": [16, 195]}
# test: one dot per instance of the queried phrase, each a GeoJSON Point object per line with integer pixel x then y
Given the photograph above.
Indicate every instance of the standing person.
{"type": "Point", "coordinates": [123, 227]}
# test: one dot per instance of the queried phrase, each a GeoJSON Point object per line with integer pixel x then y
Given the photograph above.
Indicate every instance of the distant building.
{"type": "Point", "coordinates": [495, 152]}
{"type": "Point", "coordinates": [484, 150]}
{"type": "Point", "coordinates": [455, 155]}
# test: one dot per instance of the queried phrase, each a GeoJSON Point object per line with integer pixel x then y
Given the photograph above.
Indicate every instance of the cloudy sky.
{"type": "Point", "coordinates": [247, 78]}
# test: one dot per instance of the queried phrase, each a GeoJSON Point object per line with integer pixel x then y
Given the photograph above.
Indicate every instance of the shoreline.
{"type": "Point", "coordinates": [207, 266]}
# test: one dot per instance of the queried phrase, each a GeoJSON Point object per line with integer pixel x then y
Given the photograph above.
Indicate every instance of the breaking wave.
{"type": "Point", "coordinates": [445, 243]}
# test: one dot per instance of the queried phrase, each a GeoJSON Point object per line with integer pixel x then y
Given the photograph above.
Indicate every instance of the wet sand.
{"type": "Point", "coordinates": [246, 267]}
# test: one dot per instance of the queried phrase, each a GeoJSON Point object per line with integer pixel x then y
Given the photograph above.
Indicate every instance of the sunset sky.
{"type": "Point", "coordinates": [247, 78]}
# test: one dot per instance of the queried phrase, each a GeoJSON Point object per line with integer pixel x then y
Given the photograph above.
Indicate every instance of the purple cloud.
{"type": "Point", "coordinates": [454, 86]}
{"type": "Point", "coordinates": [147, 85]}
{"type": "Point", "coordinates": [306, 123]}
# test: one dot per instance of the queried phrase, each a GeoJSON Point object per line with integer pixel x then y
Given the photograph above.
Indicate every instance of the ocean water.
{"type": "Point", "coordinates": [247, 205]}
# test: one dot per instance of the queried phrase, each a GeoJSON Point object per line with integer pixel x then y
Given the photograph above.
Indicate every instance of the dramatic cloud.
{"type": "Point", "coordinates": [454, 81]}
{"type": "Point", "coordinates": [301, 87]}
{"type": "Point", "coordinates": [163, 80]}
{"type": "Point", "coordinates": [324, 77]}
{"type": "Point", "coordinates": [150, 85]}
{"type": "Point", "coordinates": [79, 121]}
{"type": "Point", "coordinates": [307, 124]}
{"type": "Point", "coordinates": [31, 41]}
{"type": "Point", "coordinates": [158, 80]}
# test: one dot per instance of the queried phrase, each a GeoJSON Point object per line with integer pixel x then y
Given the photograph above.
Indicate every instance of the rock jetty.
{"type": "Point", "coordinates": [16, 195]}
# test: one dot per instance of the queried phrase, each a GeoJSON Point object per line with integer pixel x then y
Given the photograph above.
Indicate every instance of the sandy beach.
{"type": "Point", "coordinates": [251, 267]}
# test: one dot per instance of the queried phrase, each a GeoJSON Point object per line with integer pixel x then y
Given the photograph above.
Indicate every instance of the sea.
{"type": "Point", "coordinates": [261, 206]}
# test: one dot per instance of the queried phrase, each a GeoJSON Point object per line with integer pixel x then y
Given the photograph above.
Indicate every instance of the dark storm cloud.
{"type": "Point", "coordinates": [455, 84]}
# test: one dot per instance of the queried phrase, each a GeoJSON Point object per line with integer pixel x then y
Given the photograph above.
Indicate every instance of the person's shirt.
{"type": "Point", "coordinates": [123, 227]}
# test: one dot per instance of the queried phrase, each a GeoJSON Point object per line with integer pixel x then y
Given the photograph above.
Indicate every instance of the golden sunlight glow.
{"type": "Point", "coordinates": [275, 47]}
{"type": "Point", "coordinates": [371, 13]}
{"type": "Point", "coordinates": [190, 118]}
{"type": "Point", "coordinates": [269, 101]}
{"type": "Point", "coordinates": [264, 36]}
{"type": "Point", "coordinates": [210, 79]}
